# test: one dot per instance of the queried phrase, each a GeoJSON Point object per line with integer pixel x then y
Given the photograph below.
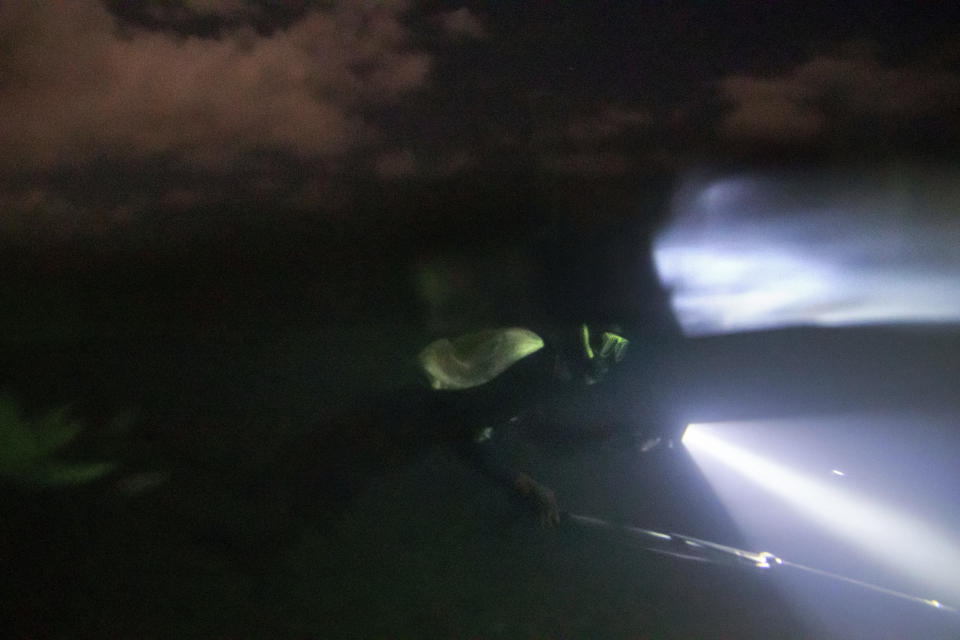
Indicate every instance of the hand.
{"type": "Point", "coordinates": [543, 498]}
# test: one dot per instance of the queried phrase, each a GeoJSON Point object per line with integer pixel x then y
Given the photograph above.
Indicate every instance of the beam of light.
{"type": "Point", "coordinates": [914, 549]}
{"type": "Point", "coordinates": [748, 253]}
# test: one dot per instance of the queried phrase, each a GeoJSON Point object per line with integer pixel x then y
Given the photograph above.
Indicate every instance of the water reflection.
{"type": "Point", "coordinates": [758, 252]}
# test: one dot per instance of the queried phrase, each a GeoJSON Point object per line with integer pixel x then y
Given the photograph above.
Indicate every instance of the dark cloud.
{"type": "Point", "coordinates": [395, 164]}
{"type": "Point", "coordinates": [38, 214]}
{"type": "Point", "coordinates": [591, 163]}
{"type": "Point", "coordinates": [218, 7]}
{"type": "Point", "coordinates": [229, 12]}
{"type": "Point", "coordinates": [610, 122]}
{"type": "Point", "coordinates": [827, 93]}
{"type": "Point", "coordinates": [609, 139]}
{"type": "Point", "coordinates": [404, 163]}
{"type": "Point", "coordinates": [768, 109]}
{"type": "Point", "coordinates": [461, 23]}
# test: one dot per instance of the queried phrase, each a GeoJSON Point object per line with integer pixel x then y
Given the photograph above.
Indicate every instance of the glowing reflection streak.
{"type": "Point", "coordinates": [936, 604]}
{"type": "Point", "coordinates": [928, 557]}
{"type": "Point", "coordinates": [731, 556]}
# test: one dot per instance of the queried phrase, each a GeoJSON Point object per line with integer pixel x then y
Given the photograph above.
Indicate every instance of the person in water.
{"type": "Point", "coordinates": [496, 378]}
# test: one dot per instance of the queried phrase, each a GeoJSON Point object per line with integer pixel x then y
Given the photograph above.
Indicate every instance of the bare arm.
{"type": "Point", "coordinates": [484, 457]}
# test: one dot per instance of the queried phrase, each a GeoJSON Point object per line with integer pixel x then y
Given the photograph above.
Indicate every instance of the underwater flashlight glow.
{"type": "Point", "coordinates": [690, 434]}
{"type": "Point", "coordinates": [749, 253]}
{"type": "Point", "coordinates": [895, 538]}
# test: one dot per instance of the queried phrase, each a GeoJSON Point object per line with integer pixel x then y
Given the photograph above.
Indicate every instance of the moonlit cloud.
{"type": "Point", "coordinates": [826, 91]}
{"type": "Point", "coordinates": [77, 88]}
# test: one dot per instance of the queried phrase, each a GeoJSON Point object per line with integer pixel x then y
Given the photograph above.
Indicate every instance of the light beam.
{"type": "Point", "coordinates": [750, 252]}
{"type": "Point", "coordinates": [896, 539]}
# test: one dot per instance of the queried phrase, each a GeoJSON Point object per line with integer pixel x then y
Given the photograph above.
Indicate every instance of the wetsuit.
{"type": "Point", "coordinates": [477, 417]}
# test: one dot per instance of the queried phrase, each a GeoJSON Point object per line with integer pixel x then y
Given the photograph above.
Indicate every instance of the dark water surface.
{"type": "Point", "coordinates": [288, 506]}
{"type": "Point", "coordinates": [272, 480]}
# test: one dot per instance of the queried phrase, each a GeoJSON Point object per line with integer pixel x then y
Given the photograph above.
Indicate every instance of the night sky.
{"type": "Point", "coordinates": [117, 113]}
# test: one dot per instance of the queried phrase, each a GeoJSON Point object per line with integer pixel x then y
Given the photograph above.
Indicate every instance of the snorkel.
{"type": "Point", "coordinates": [601, 351]}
